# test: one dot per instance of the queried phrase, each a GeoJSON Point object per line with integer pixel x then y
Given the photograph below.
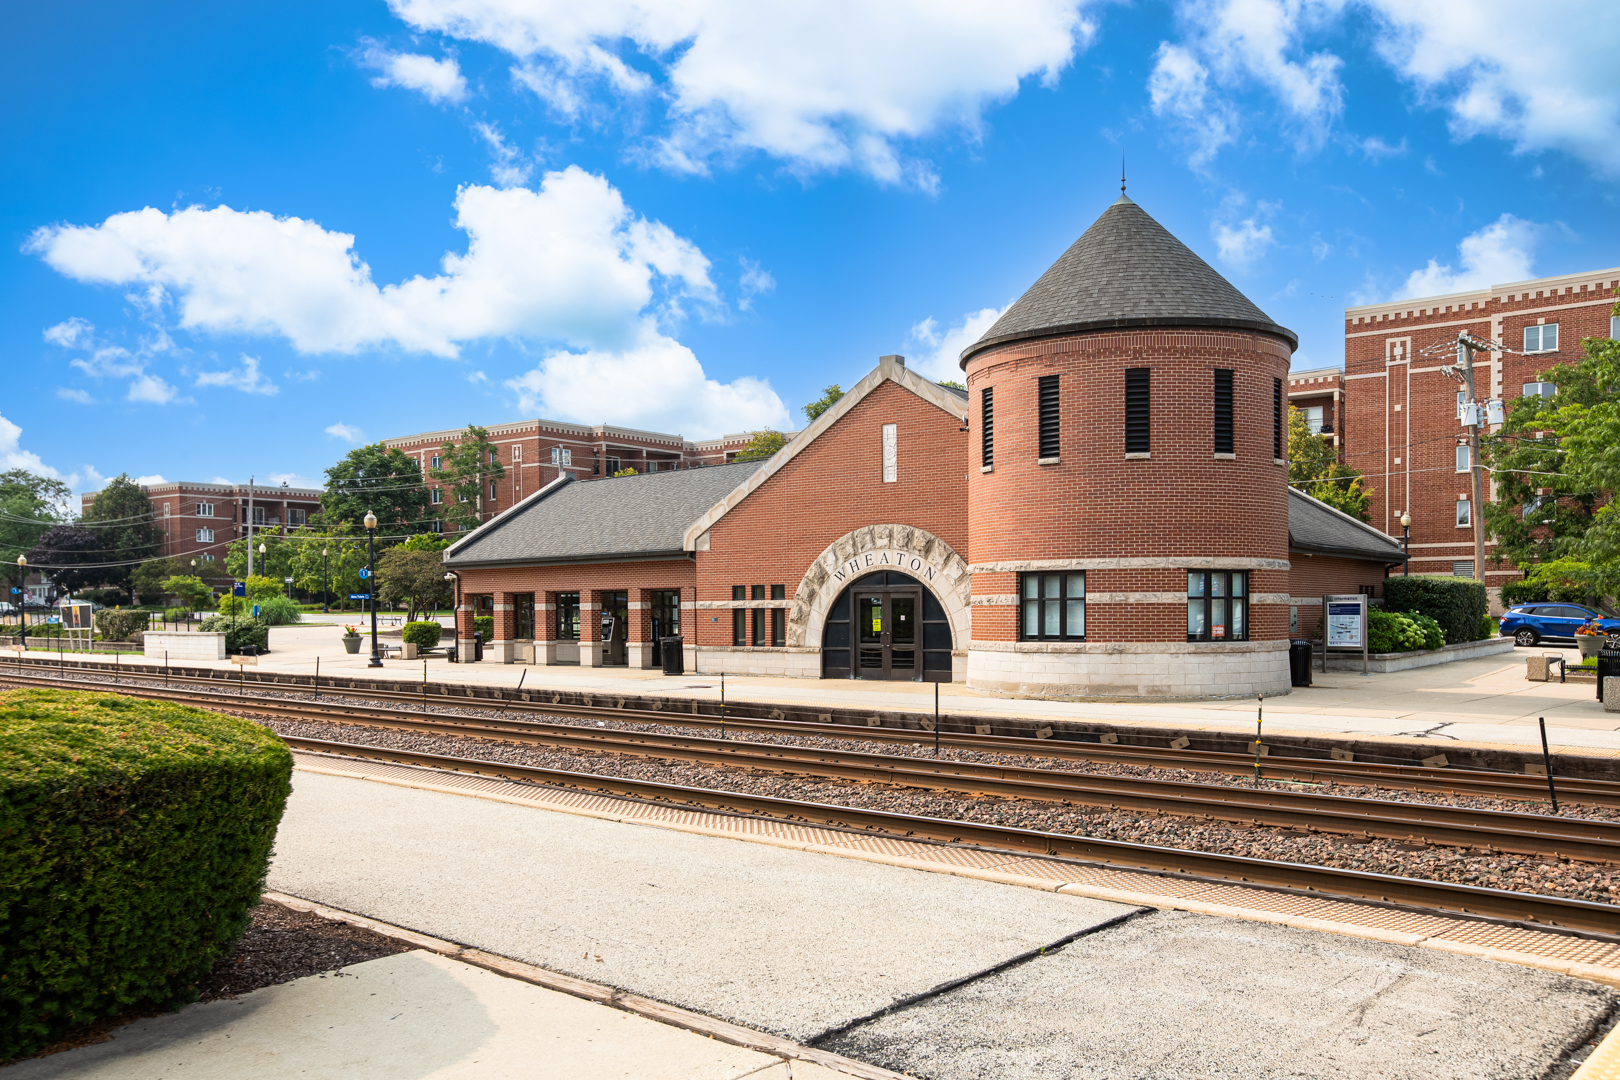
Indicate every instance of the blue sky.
{"type": "Point", "coordinates": [241, 240]}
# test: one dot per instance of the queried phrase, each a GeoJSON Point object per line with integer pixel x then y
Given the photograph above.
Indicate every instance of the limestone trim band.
{"type": "Point", "coordinates": [1011, 599]}
{"type": "Point", "coordinates": [871, 548]}
{"type": "Point", "coordinates": [1184, 562]}
{"type": "Point", "coordinates": [1144, 648]}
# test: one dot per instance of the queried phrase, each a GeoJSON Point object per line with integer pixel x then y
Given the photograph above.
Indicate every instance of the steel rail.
{"type": "Point", "coordinates": [1526, 834]}
{"type": "Point", "coordinates": [1532, 909]}
{"type": "Point", "coordinates": [1450, 780]}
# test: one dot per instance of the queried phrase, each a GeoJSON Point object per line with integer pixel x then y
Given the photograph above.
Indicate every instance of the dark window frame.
{"type": "Point", "coordinates": [1139, 410]}
{"type": "Point", "coordinates": [778, 627]}
{"type": "Point", "coordinates": [987, 427]}
{"type": "Point", "coordinates": [1277, 419]}
{"type": "Point", "coordinates": [1224, 387]}
{"type": "Point", "coordinates": [567, 628]}
{"type": "Point", "coordinates": [1048, 407]}
{"type": "Point", "coordinates": [1207, 601]}
{"type": "Point", "coordinates": [1045, 604]}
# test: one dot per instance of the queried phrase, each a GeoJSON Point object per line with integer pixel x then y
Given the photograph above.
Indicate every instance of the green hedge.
{"type": "Point", "coordinates": [239, 633]}
{"type": "Point", "coordinates": [134, 840]}
{"type": "Point", "coordinates": [424, 634]}
{"type": "Point", "coordinates": [485, 625]}
{"type": "Point", "coordinates": [117, 625]}
{"type": "Point", "coordinates": [1457, 604]}
{"type": "Point", "coordinates": [1539, 592]}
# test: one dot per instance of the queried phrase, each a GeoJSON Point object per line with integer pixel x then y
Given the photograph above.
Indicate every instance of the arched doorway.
{"type": "Point", "coordinates": [887, 625]}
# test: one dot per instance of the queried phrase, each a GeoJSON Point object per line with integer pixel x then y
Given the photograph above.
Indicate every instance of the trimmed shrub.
{"type": "Point", "coordinates": [1433, 636]}
{"type": "Point", "coordinates": [485, 626]}
{"type": "Point", "coordinates": [118, 625]}
{"type": "Point", "coordinates": [423, 634]}
{"type": "Point", "coordinates": [1489, 627]}
{"type": "Point", "coordinates": [134, 840]}
{"type": "Point", "coordinates": [1455, 603]}
{"type": "Point", "coordinates": [239, 633]}
{"type": "Point", "coordinates": [1392, 631]}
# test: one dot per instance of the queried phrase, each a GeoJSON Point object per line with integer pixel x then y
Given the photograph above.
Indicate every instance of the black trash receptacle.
{"type": "Point", "coordinates": [478, 645]}
{"type": "Point", "coordinates": [671, 648]}
{"type": "Point", "coordinates": [1299, 663]}
{"type": "Point", "coordinates": [1608, 664]}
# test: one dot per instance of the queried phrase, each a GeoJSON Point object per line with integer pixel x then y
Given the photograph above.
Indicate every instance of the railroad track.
{"type": "Point", "coordinates": [1492, 830]}
{"type": "Point", "coordinates": [1446, 780]}
{"type": "Point", "coordinates": [1583, 917]}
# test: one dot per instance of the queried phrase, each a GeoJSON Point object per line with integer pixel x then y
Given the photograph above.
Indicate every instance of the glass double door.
{"type": "Point", "coordinates": [886, 632]}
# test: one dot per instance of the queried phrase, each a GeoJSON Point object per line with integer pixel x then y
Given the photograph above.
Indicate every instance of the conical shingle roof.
{"type": "Point", "coordinates": [1127, 270]}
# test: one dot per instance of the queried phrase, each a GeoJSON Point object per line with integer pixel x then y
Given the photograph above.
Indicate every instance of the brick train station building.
{"type": "Point", "coordinates": [1103, 513]}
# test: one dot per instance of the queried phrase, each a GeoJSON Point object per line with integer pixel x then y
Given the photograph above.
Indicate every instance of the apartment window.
{"type": "Point", "coordinates": [492, 491]}
{"type": "Point", "coordinates": [1462, 399]}
{"type": "Point", "coordinates": [987, 426]}
{"type": "Point", "coordinates": [206, 557]}
{"type": "Point", "coordinates": [1614, 327]}
{"type": "Point", "coordinates": [297, 518]}
{"type": "Point", "coordinates": [652, 466]}
{"type": "Point", "coordinates": [494, 456]}
{"type": "Point", "coordinates": [1047, 400]}
{"type": "Point", "coordinates": [1054, 607]}
{"type": "Point", "coordinates": [568, 616]}
{"type": "Point", "coordinates": [258, 515]}
{"type": "Point", "coordinates": [1223, 411]}
{"type": "Point", "coordinates": [1276, 419]}
{"type": "Point", "coordinates": [438, 526]}
{"type": "Point", "coordinates": [517, 451]}
{"type": "Point", "coordinates": [1138, 410]}
{"type": "Point", "coordinates": [1463, 568]}
{"type": "Point", "coordinates": [436, 460]}
{"type": "Point", "coordinates": [556, 455]}
{"type": "Point", "coordinates": [1465, 515]}
{"type": "Point", "coordinates": [438, 495]}
{"type": "Point", "coordinates": [612, 465]}
{"type": "Point", "coordinates": [205, 536]}
{"type": "Point", "coordinates": [205, 509]}
{"type": "Point", "coordinates": [1313, 418]}
{"type": "Point", "coordinates": [1541, 338]}
{"type": "Point", "coordinates": [1217, 605]}
{"type": "Point", "coordinates": [1464, 457]}
{"type": "Point", "coordinates": [739, 616]}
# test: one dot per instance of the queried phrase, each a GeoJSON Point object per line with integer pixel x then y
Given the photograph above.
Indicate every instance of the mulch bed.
{"type": "Point", "coordinates": [279, 946]}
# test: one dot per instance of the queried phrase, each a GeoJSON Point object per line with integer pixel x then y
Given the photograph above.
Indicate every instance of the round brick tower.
{"type": "Point", "coordinates": [1127, 482]}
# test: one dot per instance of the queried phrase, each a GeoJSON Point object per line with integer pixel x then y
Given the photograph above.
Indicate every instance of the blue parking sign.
{"type": "Point", "coordinates": [364, 573]}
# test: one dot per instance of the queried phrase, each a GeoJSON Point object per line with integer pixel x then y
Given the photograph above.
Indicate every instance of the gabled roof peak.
{"type": "Point", "coordinates": [1127, 270]}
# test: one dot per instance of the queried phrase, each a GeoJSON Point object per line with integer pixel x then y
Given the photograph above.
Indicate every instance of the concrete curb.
{"type": "Point", "coordinates": [673, 1015]}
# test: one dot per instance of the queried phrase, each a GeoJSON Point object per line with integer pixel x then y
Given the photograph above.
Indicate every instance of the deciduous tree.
{"type": "Point", "coordinates": [829, 397]}
{"type": "Point", "coordinates": [465, 472]}
{"type": "Point", "coordinates": [29, 505]}
{"type": "Point", "coordinates": [1314, 468]}
{"type": "Point", "coordinates": [122, 518]}
{"type": "Point", "coordinates": [761, 444]}
{"type": "Point", "coordinates": [68, 554]}
{"type": "Point", "coordinates": [383, 481]}
{"type": "Point", "coordinates": [415, 579]}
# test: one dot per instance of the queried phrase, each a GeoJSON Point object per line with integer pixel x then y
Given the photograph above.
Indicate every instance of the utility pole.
{"type": "Point", "coordinates": [1474, 413]}
{"type": "Point", "coordinates": [250, 527]}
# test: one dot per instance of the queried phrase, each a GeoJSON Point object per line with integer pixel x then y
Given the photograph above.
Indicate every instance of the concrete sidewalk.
{"type": "Point", "coordinates": [1483, 701]}
{"type": "Point", "coordinates": [413, 1016]}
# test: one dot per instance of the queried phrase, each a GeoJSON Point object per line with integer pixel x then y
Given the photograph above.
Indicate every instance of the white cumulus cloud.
{"type": "Point", "coordinates": [247, 378]}
{"type": "Point", "coordinates": [152, 390]}
{"type": "Point", "coordinates": [942, 347]}
{"type": "Point", "coordinates": [1242, 244]}
{"type": "Point", "coordinates": [1501, 252]}
{"type": "Point", "coordinates": [439, 81]}
{"type": "Point", "coordinates": [155, 478]}
{"type": "Point", "coordinates": [346, 432]}
{"type": "Point", "coordinates": [68, 393]}
{"type": "Point", "coordinates": [819, 86]}
{"type": "Point", "coordinates": [567, 264]}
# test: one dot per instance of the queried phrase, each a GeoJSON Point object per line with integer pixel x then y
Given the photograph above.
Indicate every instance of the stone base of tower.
{"type": "Point", "coordinates": [1140, 670]}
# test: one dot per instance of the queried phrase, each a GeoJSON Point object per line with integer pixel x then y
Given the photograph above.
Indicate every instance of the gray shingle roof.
{"type": "Point", "coordinates": [1127, 270]}
{"type": "Point", "coordinates": [589, 521]}
{"type": "Point", "coordinates": [1314, 526]}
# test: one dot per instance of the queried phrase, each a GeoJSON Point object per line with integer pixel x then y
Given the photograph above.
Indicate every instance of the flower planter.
{"type": "Point", "coordinates": [1589, 644]}
{"type": "Point", "coordinates": [351, 645]}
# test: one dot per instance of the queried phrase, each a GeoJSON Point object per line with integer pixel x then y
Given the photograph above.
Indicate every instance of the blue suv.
{"type": "Point", "coordinates": [1527, 624]}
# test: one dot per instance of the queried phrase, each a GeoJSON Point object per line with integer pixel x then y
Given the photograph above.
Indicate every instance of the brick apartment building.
{"type": "Point", "coordinates": [1319, 394]}
{"type": "Point", "coordinates": [200, 520]}
{"type": "Point", "coordinates": [1103, 512]}
{"type": "Point", "coordinates": [1402, 417]}
{"type": "Point", "coordinates": [536, 452]}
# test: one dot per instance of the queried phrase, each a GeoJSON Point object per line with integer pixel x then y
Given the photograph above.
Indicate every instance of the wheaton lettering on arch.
{"type": "Point", "coordinates": [851, 569]}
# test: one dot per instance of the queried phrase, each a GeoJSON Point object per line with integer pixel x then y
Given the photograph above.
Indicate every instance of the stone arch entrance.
{"type": "Point", "coordinates": [885, 625]}
{"type": "Point", "coordinates": [917, 553]}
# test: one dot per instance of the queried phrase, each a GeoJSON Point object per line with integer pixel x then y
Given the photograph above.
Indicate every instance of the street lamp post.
{"type": "Point", "coordinates": [371, 583]}
{"type": "Point", "coordinates": [1406, 542]}
{"type": "Point", "coordinates": [326, 578]}
{"type": "Point", "coordinates": [22, 597]}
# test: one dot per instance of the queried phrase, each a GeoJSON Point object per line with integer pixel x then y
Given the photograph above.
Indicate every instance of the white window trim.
{"type": "Point", "coordinates": [1468, 521]}
{"type": "Point", "coordinates": [1465, 460]}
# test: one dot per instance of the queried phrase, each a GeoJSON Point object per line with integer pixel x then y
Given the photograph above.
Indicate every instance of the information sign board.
{"type": "Point", "coordinates": [239, 588]}
{"type": "Point", "coordinates": [1344, 626]}
{"type": "Point", "coordinates": [359, 596]}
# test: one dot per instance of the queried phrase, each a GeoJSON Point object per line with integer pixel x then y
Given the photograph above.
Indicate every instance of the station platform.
{"type": "Point", "coordinates": [1485, 701]}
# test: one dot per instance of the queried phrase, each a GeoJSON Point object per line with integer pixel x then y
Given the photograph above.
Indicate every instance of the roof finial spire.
{"type": "Point", "coordinates": [1122, 172]}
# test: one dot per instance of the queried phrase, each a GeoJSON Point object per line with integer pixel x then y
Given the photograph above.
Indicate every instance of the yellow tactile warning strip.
{"type": "Point", "coordinates": [1604, 1062]}
{"type": "Point", "coordinates": [1580, 957]}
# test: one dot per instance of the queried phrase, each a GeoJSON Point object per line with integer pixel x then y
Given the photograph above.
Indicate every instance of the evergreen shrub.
{"type": "Point", "coordinates": [116, 625]}
{"type": "Point", "coordinates": [423, 634]}
{"type": "Point", "coordinates": [277, 610]}
{"type": "Point", "coordinates": [134, 840]}
{"type": "Point", "coordinates": [1393, 631]}
{"type": "Point", "coordinates": [239, 633]}
{"type": "Point", "coordinates": [1457, 604]}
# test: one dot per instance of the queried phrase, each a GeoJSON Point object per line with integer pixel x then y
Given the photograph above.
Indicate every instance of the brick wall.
{"type": "Point", "coordinates": [1316, 576]}
{"type": "Point", "coordinates": [590, 581]}
{"type": "Point", "coordinates": [1181, 505]}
